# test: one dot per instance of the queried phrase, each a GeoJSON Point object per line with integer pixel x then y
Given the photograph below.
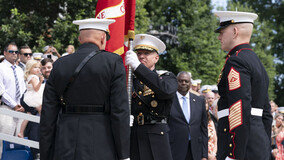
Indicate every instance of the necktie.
{"type": "Point", "coordinates": [18, 94]}
{"type": "Point", "coordinates": [185, 109]}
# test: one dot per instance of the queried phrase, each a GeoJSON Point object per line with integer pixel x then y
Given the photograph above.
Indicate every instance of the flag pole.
{"type": "Point", "coordinates": [131, 36]}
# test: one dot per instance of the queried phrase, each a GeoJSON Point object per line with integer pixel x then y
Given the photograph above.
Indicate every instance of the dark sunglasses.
{"type": "Point", "coordinates": [11, 51]}
{"type": "Point", "coordinates": [27, 54]}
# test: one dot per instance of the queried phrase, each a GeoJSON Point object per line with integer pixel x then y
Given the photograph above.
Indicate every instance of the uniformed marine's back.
{"type": "Point", "coordinates": [85, 113]}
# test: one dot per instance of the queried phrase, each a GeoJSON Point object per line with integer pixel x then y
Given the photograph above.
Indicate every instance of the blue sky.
{"type": "Point", "coordinates": [217, 3]}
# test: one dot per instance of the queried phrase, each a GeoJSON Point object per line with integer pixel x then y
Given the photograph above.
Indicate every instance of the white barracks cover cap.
{"type": "Point", "coordinates": [233, 17]}
{"type": "Point", "coordinates": [94, 23]}
{"type": "Point", "coordinates": [149, 42]}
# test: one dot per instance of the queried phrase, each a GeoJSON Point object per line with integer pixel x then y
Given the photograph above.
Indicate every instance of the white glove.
{"type": "Point", "coordinates": [132, 60]}
{"type": "Point", "coordinates": [228, 158]}
{"type": "Point", "coordinates": [131, 120]}
{"type": "Point", "coordinates": [126, 159]}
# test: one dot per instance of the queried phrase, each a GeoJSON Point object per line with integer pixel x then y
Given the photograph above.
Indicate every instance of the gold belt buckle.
{"type": "Point", "coordinates": [140, 119]}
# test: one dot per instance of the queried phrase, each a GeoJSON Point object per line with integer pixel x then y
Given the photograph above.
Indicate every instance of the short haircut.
{"type": "Point", "coordinates": [183, 72]}
{"type": "Point", "coordinates": [45, 61]}
{"type": "Point", "coordinates": [12, 44]}
{"type": "Point", "coordinates": [24, 47]}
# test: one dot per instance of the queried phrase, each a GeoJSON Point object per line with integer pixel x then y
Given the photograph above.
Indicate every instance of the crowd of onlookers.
{"type": "Point", "coordinates": [26, 73]}
{"type": "Point", "coordinates": [22, 79]}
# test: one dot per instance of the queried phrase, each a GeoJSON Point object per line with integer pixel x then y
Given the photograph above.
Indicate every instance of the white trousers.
{"type": "Point", "coordinates": [8, 125]}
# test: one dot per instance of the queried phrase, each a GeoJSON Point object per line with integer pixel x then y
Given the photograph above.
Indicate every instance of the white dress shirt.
{"type": "Point", "coordinates": [179, 96]}
{"type": "Point", "coordinates": [7, 79]}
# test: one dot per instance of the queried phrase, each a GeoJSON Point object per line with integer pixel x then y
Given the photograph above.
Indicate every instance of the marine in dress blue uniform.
{"type": "Point", "coordinates": [151, 101]}
{"type": "Point", "coordinates": [90, 119]}
{"type": "Point", "coordinates": [244, 125]}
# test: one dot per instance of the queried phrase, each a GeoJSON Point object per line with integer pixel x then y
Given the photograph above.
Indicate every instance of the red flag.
{"type": "Point", "coordinates": [123, 11]}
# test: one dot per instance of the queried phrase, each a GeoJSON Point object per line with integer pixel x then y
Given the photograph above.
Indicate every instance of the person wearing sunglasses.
{"type": "Point", "coordinates": [25, 55]}
{"type": "Point", "coordinates": [12, 81]}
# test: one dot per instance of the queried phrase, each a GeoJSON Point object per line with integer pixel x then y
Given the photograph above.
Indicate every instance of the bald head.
{"type": "Point", "coordinates": [93, 36]}
{"type": "Point", "coordinates": [245, 30]}
{"type": "Point", "coordinates": [242, 32]}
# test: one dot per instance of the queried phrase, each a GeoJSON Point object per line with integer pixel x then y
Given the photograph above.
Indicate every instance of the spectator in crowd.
{"type": "Point", "coordinates": [277, 127]}
{"type": "Point", "coordinates": [12, 78]}
{"type": "Point", "coordinates": [274, 108]}
{"type": "Point", "coordinates": [50, 52]}
{"type": "Point", "coordinates": [214, 89]}
{"type": "Point", "coordinates": [32, 98]}
{"type": "Point", "coordinates": [214, 115]}
{"type": "Point", "coordinates": [212, 137]}
{"type": "Point", "coordinates": [12, 81]}
{"type": "Point", "coordinates": [46, 67]}
{"type": "Point", "coordinates": [210, 97]}
{"type": "Point", "coordinates": [193, 85]}
{"type": "Point", "coordinates": [91, 121]}
{"type": "Point", "coordinates": [188, 123]}
{"type": "Point", "coordinates": [199, 81]}
{"type": "Point", "coordinates": [25, 55]}
{"type": "Point", "coordinates": [33, 95]}
{"type": "Point", "coordinates": [204, 89]}
{"type": "Point", "coordinates": [151, 100]}
{"type": "Point", "coordinates": [244, 125]}
{"type": "Point", "coordinates": [279, 144]}
{"type": "Point", "coordinates": [69, 50]}
{"type": "Point", "coordinates": [32, 129]}
{"type": "Point", "coordinates": [193, 88]}
{"type": "Point", "coordinates": [278, 137]}
{"type": "Point", "coordinates": [37, 56]}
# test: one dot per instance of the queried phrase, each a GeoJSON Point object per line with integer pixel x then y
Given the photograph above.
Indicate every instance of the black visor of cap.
{"type": "Point", "coordinates": [226, 24]}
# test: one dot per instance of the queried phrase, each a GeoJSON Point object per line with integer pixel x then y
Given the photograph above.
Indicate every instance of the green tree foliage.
{"type": "Point", "coordinates": [198, 49]}
{"type": "Point", "coordinates": [49, 22]}
{"type": "Point", "coordinates": [272, 11]}
{"type": "Point", "coordinates": [42, 23]}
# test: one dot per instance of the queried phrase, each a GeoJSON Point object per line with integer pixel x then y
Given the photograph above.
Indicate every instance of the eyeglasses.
{"type": "Point", "coordinates": [27, 54]}
{"type": "Point", "coordinates": [11, 51]}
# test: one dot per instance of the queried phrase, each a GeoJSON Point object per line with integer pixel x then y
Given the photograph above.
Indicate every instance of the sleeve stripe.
{"type": "Point", "coordinates": [235, 115]}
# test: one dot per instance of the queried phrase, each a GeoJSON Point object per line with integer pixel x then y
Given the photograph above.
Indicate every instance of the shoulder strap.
{"type": "Point", "coordinates": [76, 73]}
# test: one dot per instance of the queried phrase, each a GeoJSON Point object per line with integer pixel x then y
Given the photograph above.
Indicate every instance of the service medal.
{"type": "Point", "coordinates": [154, 103]}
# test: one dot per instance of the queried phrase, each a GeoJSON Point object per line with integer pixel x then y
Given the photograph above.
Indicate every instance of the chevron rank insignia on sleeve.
{"type": "Point", "coordinates": [234, 79]}
{"type": "Point", "coordinates": [235, 115]}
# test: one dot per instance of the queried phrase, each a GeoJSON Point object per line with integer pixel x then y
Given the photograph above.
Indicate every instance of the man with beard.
{"type": "Point", "coordinates": [46, 67]}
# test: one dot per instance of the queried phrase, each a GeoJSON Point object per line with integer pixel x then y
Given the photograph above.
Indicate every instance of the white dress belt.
{"type": "Point", "coordinates": [225, 112]}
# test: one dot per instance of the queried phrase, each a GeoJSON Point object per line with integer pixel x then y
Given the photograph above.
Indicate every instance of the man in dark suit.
{"type": "Point", "coordinates": [244, 125]}
{"type": "Point", "coordinates": [85, 114]}
{"type": "Point", "coordinates": [188, 123]}
{"type": "Point", "coordinates": [151, 100]}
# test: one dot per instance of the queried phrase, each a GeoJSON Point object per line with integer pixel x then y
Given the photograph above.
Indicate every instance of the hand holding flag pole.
{"type": "Point", "coordinates": [131, 36]}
